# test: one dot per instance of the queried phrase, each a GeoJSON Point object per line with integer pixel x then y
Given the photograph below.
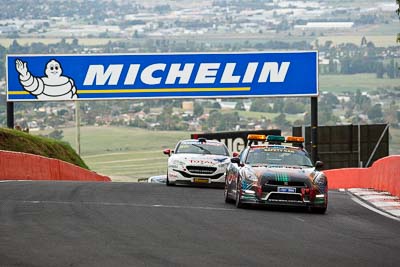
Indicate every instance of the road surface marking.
{"type": "Point", "coordinates": [383, 201]}
{"type": "Point", "coordinates": [124, 204]}
{"type": "Point", "coordinates": [365, 205]}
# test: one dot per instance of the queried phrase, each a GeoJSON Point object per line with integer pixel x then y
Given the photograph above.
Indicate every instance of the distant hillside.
{"type": "Point", "coordinates": [13, 140]}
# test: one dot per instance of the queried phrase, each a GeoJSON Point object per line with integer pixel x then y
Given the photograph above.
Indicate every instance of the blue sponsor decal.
{"type": "Point", "coordinates": [220, 160]}
{"type": "Point", "coordinates": [140, 76]}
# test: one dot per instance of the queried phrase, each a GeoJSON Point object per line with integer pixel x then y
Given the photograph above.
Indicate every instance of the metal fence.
{"type": "Point", "coordinates": [348, 145]}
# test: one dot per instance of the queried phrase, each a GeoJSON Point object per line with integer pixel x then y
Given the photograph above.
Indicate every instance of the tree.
{"type": "Point", "coordinates": [398, 13]}
{"type": "Point", "coordinates": [56, 134]}
{"type": "Point", "coordinates": [198, 109]}
{"type": "Point", "coordinates": [165, 118]}
{"type": "Point", "coordinates": [375, 112]}
{"type": "Point", "coordinates": [239, 105]}
{"type": "Point", "coordinates": [281, 120]}
{"type": "Point", "coordinates": [330, 100]}
{"type": "Point", "coordinates": [392, 70]}
{"type": "Point", "coordinates": [279, 104]}
{"type": "Point", "coordinates": [380, 70]}
{"type": "Point", "coordinates": [292, 106]}
{"type": "Point", "coordinates": [260, 105]}
{"type": "Point", "coordinates": [213, 119]}
{"type": "Point", "coordinates": [216, 105]}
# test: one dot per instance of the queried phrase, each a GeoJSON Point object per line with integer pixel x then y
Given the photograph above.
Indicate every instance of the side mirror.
{"type": "Point", "coordinates": [235, 154]}
{"type": "Point", "coordinates": [235, 160]}
{"type": "Point", "coordinates": [167, 152]}
{"type": "Point", "coordinates": [319, 164]}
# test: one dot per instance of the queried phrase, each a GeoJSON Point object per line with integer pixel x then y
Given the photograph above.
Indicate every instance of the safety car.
{"type": "Point", "coordinates": [197, 162]}
{"type": "Point", "coordinates": [276, 171]}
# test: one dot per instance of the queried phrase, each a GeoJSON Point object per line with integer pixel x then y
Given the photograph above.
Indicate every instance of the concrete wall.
{"type": "Point", "coordinates": [383, 175]}
{"type": "Point", "coordinates": [23, 166]}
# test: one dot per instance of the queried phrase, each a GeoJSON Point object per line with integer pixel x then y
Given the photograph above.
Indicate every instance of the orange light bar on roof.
{"type": "Point", "coordinates": [256, 137]}
{"type": "Point", "coordinates": [295, 139]}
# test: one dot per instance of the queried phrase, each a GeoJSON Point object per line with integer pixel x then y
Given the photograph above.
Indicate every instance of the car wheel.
{"type": "Point", "coordinates": [226, 195]}
{"type": "Point", "coordinates": [238, 202]}
{"type": "Point", "coordinates": [168, 182]}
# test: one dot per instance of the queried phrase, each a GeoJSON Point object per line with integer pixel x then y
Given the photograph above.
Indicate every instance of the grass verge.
{"type": "Point", "coordinates": [13, 140]}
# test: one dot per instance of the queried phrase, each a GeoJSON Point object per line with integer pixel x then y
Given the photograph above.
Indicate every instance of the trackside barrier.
{"type": "Point", "coordinates": [23, 166]}
{"type": "Point", "coordinates": [383, 175]}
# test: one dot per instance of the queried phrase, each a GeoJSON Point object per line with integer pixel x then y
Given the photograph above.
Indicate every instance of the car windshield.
{"type": "Point", "coordinates": [202, 148]}
{"type": "Point", "coordinates": [278, 156]}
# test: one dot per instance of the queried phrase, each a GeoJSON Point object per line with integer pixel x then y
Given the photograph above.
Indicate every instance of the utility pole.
{"type": "Point", "coordinates": [314, 129]}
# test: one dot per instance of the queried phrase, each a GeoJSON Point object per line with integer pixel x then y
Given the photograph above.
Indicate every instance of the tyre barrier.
{"type": "Point", "coordinates": [383, 175]}
{"type": "Point", "coordinates": [24, 166]}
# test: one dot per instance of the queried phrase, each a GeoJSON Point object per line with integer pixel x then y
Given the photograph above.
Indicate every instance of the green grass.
{"type": "Point", "coordinates": [350, 83]}
{"type": "Point", "coordinates": [125, 153]}
{"type": "Point", "coordinates": [13, 140]}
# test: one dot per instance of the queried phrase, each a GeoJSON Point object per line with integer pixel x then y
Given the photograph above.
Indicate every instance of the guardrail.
{"type": "Point", "coordinates": [383, 175]}
{"type": "Point", "coordinates": [24, 166]}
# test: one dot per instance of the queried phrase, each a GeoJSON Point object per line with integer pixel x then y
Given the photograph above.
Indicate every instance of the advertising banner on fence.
{"type": "Point", "coordinates": [141, 76]}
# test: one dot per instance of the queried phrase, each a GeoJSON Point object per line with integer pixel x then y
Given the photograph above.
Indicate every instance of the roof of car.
{"type": "Point", "coordinates": [277, 146]}
{"type": "Point", "coordinates": [207, 141]}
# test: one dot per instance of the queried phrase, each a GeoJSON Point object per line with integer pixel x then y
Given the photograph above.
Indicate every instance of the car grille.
{"type": "Point", "coordinates": [201, 169]}
{"type": "Point", "coordinates": [188, 175]}
{"type": "Point", "coordinates": [272, 185]}
{"type": "Point", "coordinates": [281, 183]}
{"type": "Point", "coordinates": [285, 197]}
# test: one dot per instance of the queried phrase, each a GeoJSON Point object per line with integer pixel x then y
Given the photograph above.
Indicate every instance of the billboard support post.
{"type": "Point", "coordinates": [376, 146]}
{"type": "Point", "coordinates": [314, 129]}
{"type": "Point", "coordinates": [10, 115]}
{"type": "Point", "coordinates": [78, 128]}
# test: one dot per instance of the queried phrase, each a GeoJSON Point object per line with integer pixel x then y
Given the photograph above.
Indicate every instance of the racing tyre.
{"type": "Point", "coordinates": [238, 201]}
{"type": "Point", "coordinates": [227, 199]}
{"type": "Point", "coordinates": [167, 182]}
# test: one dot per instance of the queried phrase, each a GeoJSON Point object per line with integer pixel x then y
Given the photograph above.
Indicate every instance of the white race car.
{"type": "Point", "coordinates": [197, 161]}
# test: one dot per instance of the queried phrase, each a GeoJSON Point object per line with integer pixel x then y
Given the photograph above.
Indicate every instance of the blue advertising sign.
{"type": "Point", "coordinates": [140, 76]}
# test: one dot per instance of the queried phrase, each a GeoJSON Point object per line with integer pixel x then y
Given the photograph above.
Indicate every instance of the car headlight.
{"type": "Point", "coordinates": [177, 162]}
{"type": "Point", "coordinates": [223, 165]}
{"type": "Point", "coordinates": [251, 176]}
{"type": "Point", "coordinates": [320, 180]}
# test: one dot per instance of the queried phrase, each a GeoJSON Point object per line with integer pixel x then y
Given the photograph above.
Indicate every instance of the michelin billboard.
{"type": "Point", "coordinates": [141, 76]}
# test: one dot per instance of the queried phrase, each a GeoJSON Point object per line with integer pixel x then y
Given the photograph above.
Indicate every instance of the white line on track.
{"type": "Point", "coordinates": [395, 212]}
{"type": "Point", "coordinates": [374, 210]}
{"type": "Point", "coordinates": [386, 204]}
{"type": "Point", "coordinates": [371, 197]}
{"type": "Point", "coordinates": [123, 204]}
{"type": "Point", "coordinates": [368, 193]}
{"type": "Point", "coordinates": [10, 181]}
{"type": "Point", "coordinates": [299, 219]}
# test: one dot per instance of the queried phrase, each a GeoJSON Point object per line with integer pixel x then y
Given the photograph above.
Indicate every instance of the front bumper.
{"type": "Point", "coordinates": [186, 178]}
{"type": "Point", "coordinates": [283, 199]}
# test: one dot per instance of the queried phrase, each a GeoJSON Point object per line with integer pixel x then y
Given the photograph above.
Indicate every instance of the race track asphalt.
{"type": "Point", "coordinates": [140, 224]}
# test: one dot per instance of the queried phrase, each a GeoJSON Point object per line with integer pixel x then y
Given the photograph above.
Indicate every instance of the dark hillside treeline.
{"type": "Point", "coordinates": [343, 59]}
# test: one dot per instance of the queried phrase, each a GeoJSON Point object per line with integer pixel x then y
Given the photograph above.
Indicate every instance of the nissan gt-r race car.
{"type": "Point", "coordinates": [278, 172]}
{"type": "Point", "coordinates": [197, 161]}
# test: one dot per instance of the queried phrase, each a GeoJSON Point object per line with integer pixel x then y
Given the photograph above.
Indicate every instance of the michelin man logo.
{"type": "Point", "coordinates": [53, 86]}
